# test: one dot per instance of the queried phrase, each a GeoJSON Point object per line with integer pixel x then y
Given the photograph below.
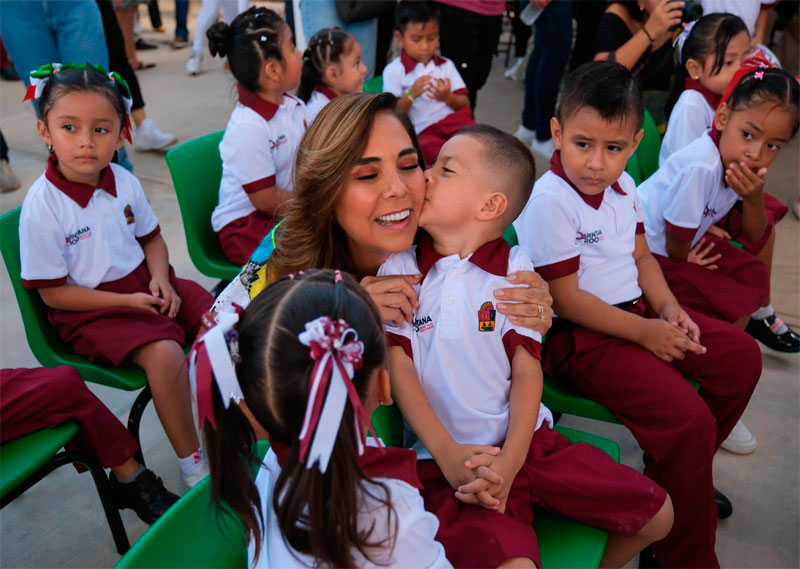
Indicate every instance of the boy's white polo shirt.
{"type": "Point", "coordinates": [690, 118]}
{"type": "Point", "coordinates": [687, 195]}
{"type": "Point", "coordinates": [401, 73]}
{"type": "Point", "coordinates": [320, 97]}
{"type": "Point", "coordinates": [566, 231]}
{"type": "Point", "coordinates": [77, 234]}
{"type": "Point", "coordinates": [258, 152]}
{"type": "Point", "coordinates": [461, 345]}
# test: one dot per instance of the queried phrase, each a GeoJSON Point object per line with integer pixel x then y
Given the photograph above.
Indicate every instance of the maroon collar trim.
{"type": "Point", "coordinates": [325, 90]}
{"type": "Point", "coordinates": [710, 97]}
{"type": "Point", "coordinates": [593, 200]}
{"type": "Point", "coordinates": [80, 193]}
{"type": "Point", "coordinates": [385, 462]}
{"type": "Point", "coordinates": [409, 64]}
{"type": "Point", "coordinates": [492, 257]}
{"type": "Point", "coordinates": [714, 134]}
{"type": "Point", "coordinates": [263, 107]}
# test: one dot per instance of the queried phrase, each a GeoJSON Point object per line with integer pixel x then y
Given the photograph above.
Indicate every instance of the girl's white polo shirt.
{"type": "Point", "coordinates": [258, 152]}
{"type": "Point", "coordinates": [461, 345]}
{"type": "Point", "coordinates": [690, 118]}
{"type": "Point", "coordinates": [76, 234]}
{"type": "Point", "coordinates": [566, 231]}
{"type": "Point", "coordinates": [320, 97]}
{"type": "Point", "coordinates": [687, 195]}
{"type": "Point", "coordinates": [401, 73]}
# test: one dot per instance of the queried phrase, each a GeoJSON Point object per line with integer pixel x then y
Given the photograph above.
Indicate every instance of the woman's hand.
{"type": "Point", "coordinates": [666, 15]}
{"type": "Point", "coordinates": [531, 307]}
{"type": "Point", "coordinates": [394, 296]}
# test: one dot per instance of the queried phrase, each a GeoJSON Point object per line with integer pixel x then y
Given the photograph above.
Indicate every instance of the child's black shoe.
{"type": "Point", "coordinates": [762, 330]}
{"type": "Point", "coordinates": [145, 495]}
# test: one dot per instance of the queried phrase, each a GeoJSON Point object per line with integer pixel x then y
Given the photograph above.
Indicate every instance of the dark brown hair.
{"type": "Point", "coordinates": [327, 46]}
{"type": "Point", "coordinates": [317, 513]}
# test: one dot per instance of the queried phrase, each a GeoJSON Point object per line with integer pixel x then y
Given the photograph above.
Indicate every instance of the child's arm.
{"type": "Point", "coordinates": [451, 457]}
{"type": "Point", "coordinates": [656, 291]}
{"type": "Point", "coordinates": [270, 199]}
{"type": "Point", "coordinates": [82, 299]}
{"type": "Point", "coordinates": [440, 91]}
{"type": "Point", "coordinates": [750, 187]}
{"type": "Point", "coordinates": [585, 309]}
{"type": "Point", "coordinates": [524, 400]}
{"type": "Point", "coordinates": [157, 258]}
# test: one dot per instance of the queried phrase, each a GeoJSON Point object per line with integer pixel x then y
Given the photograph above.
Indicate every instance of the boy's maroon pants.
{"type": "Point", "coordinates": [679, 428]}
{"type": "Point", "coordinates": [41, 398]}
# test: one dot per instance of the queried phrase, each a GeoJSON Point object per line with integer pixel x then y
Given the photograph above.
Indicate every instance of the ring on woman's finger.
{"type": "Point", "coordinates": [540, 311]}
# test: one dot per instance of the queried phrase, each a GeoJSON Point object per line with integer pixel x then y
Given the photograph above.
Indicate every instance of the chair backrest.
{"type": "Point", "coordinates": [45, 343]}
{"type": "Point", "coordinates": [374, 85]}
{"type": "Point", "coordinates": [193, 533]}
{"type": "Point", "coordinates": [644, 162]}
{"type": "Point", "coordinates": [196, 170]}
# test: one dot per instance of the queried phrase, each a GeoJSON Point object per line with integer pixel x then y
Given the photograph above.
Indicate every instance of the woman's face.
{"type": "Point", "coordinates": [380, 204]}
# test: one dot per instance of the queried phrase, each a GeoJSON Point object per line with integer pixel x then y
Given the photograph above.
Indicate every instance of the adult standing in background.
{"type": "Point", "coordinates": [754, 14]}
{"type": "Point", "coordinates": [552, 41]}
{"type": "Point", "coordinates": [209, 13]}
{"type": "Point", "coordinates": [47, 31]}
{"type": "Point", "coordinates": [468, 35]}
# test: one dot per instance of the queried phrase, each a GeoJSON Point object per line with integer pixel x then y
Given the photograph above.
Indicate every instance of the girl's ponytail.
{"type": "Point", "coordinates": [707, 37]}
{"type": "Point", "coordinates": [294, 335]}
{"type": "Point", "coordinates": [220, 37]}
{"type": "Point", "coordinates": [327, 46]}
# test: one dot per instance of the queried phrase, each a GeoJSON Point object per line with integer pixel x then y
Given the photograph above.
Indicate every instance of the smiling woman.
{"type": "Point", "coordinates": [359, 191]}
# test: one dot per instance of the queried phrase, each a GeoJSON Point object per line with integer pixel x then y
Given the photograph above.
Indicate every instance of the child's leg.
{"type": "Point", "coordinates": [165, 365]}
{"type": "Point", "coordinates": [765, 255]}
{"type": "Point", "coordinates": [670, 421]}
{"type": "Point", "coordinates": [583, 483]}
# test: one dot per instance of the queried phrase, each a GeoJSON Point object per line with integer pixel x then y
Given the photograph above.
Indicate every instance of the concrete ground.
{"type": "Point", "coordinates": [59, 522]}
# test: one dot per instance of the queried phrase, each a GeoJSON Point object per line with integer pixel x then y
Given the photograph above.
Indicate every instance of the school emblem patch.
{"type": "Point", "coordinates": [486, 315]}
{"type": "Point", "coordinates": [129, 217]}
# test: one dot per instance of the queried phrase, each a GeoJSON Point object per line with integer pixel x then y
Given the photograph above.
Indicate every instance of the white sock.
{"type": "Point", "coordinates": [523, 131]}
{"type": "Point", "coordinates": [763, 312]}
{"type": "Point", "coordinates": [192, 462]}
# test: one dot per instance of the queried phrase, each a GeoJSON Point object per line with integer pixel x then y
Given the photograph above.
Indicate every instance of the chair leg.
{"type": "Point", "coordinates": [135, 418]}
{"type": "Point", "coordinates": [101, 483]}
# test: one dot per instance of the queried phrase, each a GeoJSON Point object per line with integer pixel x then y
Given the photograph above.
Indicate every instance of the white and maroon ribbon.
{"type": "Point", "coordinates": [212, 360]}
{"type": "Point", "coordinates": [337, 354]}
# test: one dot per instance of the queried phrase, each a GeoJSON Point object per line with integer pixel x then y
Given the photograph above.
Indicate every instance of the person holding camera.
{"type": "Point", "coordinates": [637, 34]}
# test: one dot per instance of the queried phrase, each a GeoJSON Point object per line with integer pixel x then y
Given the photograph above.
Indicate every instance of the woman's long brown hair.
{"type": "Point", "coordinates": [317, 513]}
{"type": "Point", "coordinates": [310, 235]}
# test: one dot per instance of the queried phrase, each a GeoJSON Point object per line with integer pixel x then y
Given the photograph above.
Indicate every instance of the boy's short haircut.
{"type": "Point", "coordinates": [415, 11]}
{"type": "Point", "coordinates": [511, 163]}
{"type": "Point", "coordinates": [606, 87]}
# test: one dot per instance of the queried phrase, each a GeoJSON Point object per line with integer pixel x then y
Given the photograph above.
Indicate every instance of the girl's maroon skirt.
{"type": "Point", "coordinates": [737, 288]}
{"type": "Point", "coordinates": [733, 223]}
{"type": "Point", "coordinates": [109, 336]}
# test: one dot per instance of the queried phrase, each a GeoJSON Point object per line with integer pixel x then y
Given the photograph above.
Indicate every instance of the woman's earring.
{"type": "Point", "coordinates": [50, 148]}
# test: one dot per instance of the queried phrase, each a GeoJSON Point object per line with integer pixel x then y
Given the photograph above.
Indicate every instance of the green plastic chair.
{"type": "Point", "coordinates": [45, 343]}
{"type": "Point", "coordinates": [374, 85]}
{"type": "Point", "coordinates": [196, 170]}
{"type": "Point", "coordinates": [644, 161]}
{"type": "Point", "coordinates": [26, 460]}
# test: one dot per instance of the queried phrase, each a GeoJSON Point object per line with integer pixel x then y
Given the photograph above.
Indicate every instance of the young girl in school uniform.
{"type": "Point", "coordinates": [719, 179]}
{"type": "Point", "coordinates": [332, 66]}
{"type": "Point", "coordinates": [308, 358]}
{"type": "Point", "coordinates": [90, 244]}
{"type": "Point", "coordinates": [263, 132]}
{"type": "Point", "coordinates": [709, 53]}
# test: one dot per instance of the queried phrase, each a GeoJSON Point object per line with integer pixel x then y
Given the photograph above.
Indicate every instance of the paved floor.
{"type": "Point", "coordinates": [59, 522]}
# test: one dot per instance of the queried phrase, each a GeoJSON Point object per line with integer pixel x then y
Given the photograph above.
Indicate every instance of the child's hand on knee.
{"type": "Point", "coordinates": [161, 288]}
{"type": "Point", "coordinates": [719, 232]}
{"type": "Point", "coordinates": [482, 492]}
{"type": "Point", "coordinates": [702, 256]}
{"type": "Point", "coordinates": [677, 316]}
{"type": "Point", "coordinates": [667, 341]}
{"type": "Point", "coordinates": [454, 462]}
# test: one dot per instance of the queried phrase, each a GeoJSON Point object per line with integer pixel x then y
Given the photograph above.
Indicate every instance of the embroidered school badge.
{"type": "Point", "coordinates": [486, 315]}
{"type": "Point", "coordinates": [129, 217]}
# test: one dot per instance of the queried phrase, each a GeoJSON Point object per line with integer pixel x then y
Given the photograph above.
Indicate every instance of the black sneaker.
{"type": "Point", "coordinates": [762, 330]}
{"type": "Point", "coordinates": [145, 495]}
{"type": "Point", "coordinates": [143, 45]}
{"type": "Point", "coordinates": [724, 506]}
